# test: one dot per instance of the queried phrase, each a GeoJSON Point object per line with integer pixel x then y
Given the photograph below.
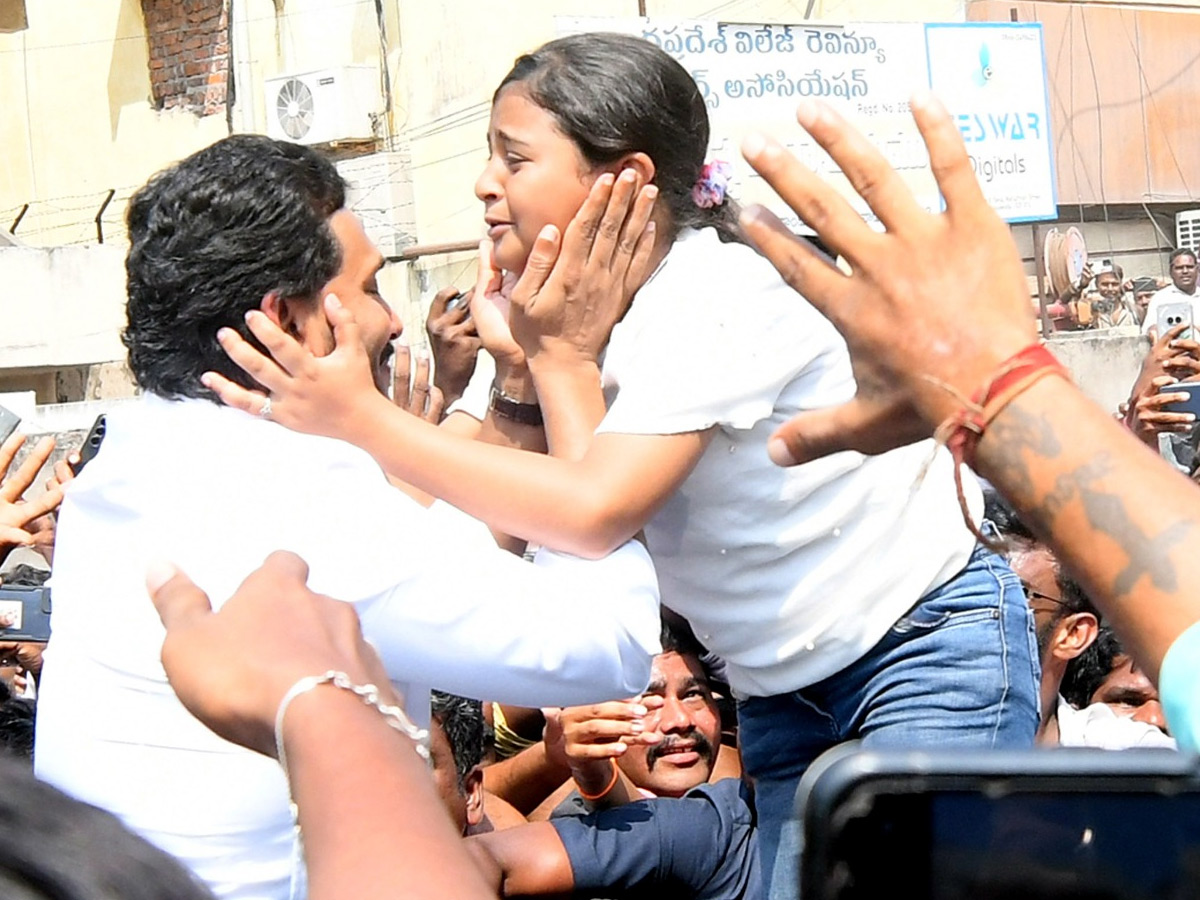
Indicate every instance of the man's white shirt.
{"type": "Point", "coordinates": [1169, 294]}
{"type": "Point", "coordinates": [215, 491]}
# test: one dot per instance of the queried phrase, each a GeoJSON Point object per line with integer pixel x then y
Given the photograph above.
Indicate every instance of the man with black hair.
{"type": "Point", "coordinates": [56, 848]}
{"type": "Point", "coordinates": [455, 753]}
{"type": "Point", "coordinates": [1181, 289]}
{"type": "Point", "coordinates": [1065, 624]}
{"type": "Point", "coordinates": [251, 225]}
{"type": "Point", "coordinates": [648, 817]}
{"type": "Point", "coordinates": [1118, 706]}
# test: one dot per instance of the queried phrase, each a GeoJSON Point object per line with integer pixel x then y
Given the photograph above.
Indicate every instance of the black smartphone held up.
{"type": "Point", "coordinates": [944, 825]}
{"type": "Point", "coordinates": [29, 609]}
{"type": "Point", "coordinates": [1191, 405]}
{"type": "Point", "coordinates": [9, 421]}
{"type": "Point", "coordinates": [91, 444]}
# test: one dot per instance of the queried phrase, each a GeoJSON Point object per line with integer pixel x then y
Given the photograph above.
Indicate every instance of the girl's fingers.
{"type": "Point", "coordinates": [634, 231]}
{"type": "Point", "coordinates": [821, 207]}
{"type": "Point", "coordinates": [247, 358]}
{"type": "Point", "coordinates": [585, 225]}
{"type": "Point", "coordinates": [639, 262]}
{"type": "Point", "coordinates": [232, 394]}
{"type": "Point", "coordinates": [538, 267]}
{"type": "Point", "coordinates": [347, 339]}
{"type": "Point", "coordinates": [489, 278]}
{"type": "Point", "coordinates": [801, 266]}
{"type": "Point", "coordinates": [868, 172]}
{"type": "Point", "coordinates": [611, 227]}
{"type": "Point", "coordinates": [286, 351]}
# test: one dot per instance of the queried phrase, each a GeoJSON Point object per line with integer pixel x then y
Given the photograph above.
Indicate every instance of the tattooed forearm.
{"type": "Point", "coordinates": [1031, 452]}
{"type": "Point", "coordinates": [1018, 432]}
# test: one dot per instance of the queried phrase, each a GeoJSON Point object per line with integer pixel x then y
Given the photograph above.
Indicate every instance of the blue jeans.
{"type": "Point", "coordinates": [959, 669]}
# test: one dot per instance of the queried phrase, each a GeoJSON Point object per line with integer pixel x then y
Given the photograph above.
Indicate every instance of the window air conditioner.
{"type": "Point", "coordinates": [323, 106]}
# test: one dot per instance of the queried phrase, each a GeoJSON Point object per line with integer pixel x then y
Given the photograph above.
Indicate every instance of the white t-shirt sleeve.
{"type": "Point", "coordinates": [472, 619]}
{"type": "Point", "coordinates": [722, 354]}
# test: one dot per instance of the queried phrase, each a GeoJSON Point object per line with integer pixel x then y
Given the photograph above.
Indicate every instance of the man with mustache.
{"type": "Point", "coordinates": [646, 814]}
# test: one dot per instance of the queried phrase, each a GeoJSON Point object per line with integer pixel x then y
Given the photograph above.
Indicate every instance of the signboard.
{"type": "Point", "coordinates": [992, 78]}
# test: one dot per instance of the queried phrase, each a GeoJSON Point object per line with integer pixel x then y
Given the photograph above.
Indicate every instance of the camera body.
{"type": "Point", "coordinates": [29, 608]}
{"type": "Point", "coordinates": [947, 825]}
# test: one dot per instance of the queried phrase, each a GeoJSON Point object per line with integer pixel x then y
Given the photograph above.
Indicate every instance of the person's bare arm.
{"type": "Point", "coordinates": [526, 860]}
{"type": "Point", "coordinates": [1119, 517]}
{"type": "Point", "coordinates": [373, 827]}
{"type": "Point", "coordinates": [526, 779]}
{"type": "Point", "coordinates": [597, 493]}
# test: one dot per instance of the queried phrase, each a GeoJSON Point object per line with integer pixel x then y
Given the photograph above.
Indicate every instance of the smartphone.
{"type": "Point", "coordinates": [9, 421]}
{"type": "Point", "coordinates": [1191, 405]}
{"type": "Point", "coordinates": [1069, 822]}
{"type": "Point", "coordinates": [29, 608]}
{"type": "Point", "coordinates": [91, 444]}
{"type": "Point", "coordinates": [1172, 314]}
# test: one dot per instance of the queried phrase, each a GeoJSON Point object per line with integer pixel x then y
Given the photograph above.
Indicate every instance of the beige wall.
{"type": "Point", "coordinates": [76, 119]}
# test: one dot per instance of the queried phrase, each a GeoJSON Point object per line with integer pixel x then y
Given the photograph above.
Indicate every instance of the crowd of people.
{"type": "Point", "coordinates": [1104, 298]}
{"type": "Point", "coordinates": [672, 513]}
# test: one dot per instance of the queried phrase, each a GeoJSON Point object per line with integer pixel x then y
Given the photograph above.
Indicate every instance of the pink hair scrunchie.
{"type": "Point", "coordinates": [709, 189]}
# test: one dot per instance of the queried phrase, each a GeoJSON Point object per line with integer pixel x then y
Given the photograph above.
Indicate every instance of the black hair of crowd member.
{"type": "Point", "coordinates": [1087, 671]}
{"type": "Point", "coordinates": [25, 575]}
{"type": "Point", "coordinates": [1000, 513]}
{"type": "Point", "coordinates": [17, 716]}
{"type": "Point", "coordinates": [463, 722]}
{"type": "Point", "coordinates": [677, 636]}
{"type": "Point", "coordinates": [209, 237]}
{"type": "Point", "coordinates": [615, 94]}
{"type": "Point", "coordinates": [53, 847]}
{"type": "Point", "coordinates": [1074, 598]}
{"type": "Point", "coordinates": [1181, 251]}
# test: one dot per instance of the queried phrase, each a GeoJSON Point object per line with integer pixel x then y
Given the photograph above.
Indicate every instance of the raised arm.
{"type": "Point", "coordinates": [587, 499]}
{"type": "Point", "coordinates": [1122, 520]}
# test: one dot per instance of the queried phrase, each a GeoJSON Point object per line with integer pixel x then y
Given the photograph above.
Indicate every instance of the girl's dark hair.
{"type": "Point", "coordinates": [615, 94]}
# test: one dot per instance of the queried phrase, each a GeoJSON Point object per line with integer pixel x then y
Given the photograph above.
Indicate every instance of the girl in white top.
{"type": "Point", "coordinates": [846, 595]}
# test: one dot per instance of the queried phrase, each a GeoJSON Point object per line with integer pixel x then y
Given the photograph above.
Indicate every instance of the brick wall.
{"type": "Point", "coordinates": [189, 54]}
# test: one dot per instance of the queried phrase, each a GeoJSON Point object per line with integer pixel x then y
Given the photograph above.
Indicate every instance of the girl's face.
{"type": "Point", "coordinates": [534, 177]}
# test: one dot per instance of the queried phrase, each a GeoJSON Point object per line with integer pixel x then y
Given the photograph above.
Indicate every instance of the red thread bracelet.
{"type": "Point", "coordinates": [608, 787]}
{"type": "Point", "coordinates": [962, 431]}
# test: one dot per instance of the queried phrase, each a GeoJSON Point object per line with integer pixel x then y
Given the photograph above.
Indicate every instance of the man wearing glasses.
{"type": "Point", "coordinates": [1065, 623]}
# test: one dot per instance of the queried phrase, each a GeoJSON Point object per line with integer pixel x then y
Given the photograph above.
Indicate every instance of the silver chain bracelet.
{"type": "Point", "coordinates": [368, 693]}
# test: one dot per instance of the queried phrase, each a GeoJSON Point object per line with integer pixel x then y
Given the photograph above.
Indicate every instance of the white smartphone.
{"type": "Point", "coordinates": [1172, 314]}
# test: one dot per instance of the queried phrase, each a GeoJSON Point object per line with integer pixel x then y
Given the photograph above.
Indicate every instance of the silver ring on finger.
{"type": "Point", "coordinates": [265, 411]}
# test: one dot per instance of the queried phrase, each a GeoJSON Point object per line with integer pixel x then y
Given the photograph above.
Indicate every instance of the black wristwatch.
{"type": "Point", "coordinates": [514, 410]}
